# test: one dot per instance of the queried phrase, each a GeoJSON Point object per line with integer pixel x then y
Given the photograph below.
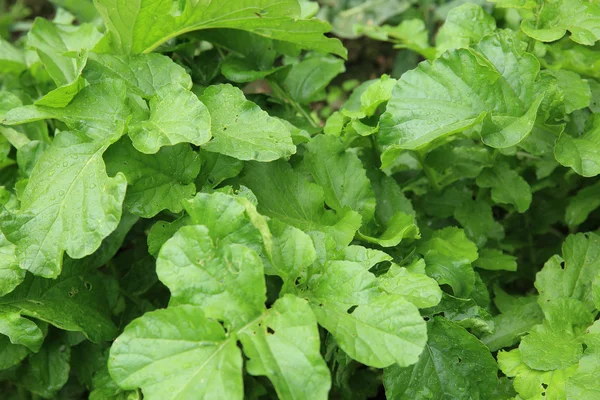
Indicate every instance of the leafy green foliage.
{"type": "Point", "coordinates": [172, 169]}
{"type": "Point", "coordinates": [174, 116]}
{"type": "Point", "coordinates": [202, 199]}
{"type": "Point", "coordinates": [434, 100]}
{"type": "Point", "coordinates": [144, 26]}
{"type": "Point", "coordinates": [460, 365]}
{"type": "Point", "coordinates": [242, 130]}
{"type": "Point", "coordinates": [69, 204]}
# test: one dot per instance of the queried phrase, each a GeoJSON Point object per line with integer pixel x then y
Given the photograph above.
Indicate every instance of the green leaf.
{"type": "Point", "coordinates": [292, 198]}
{"type": "Point", "coordinates": [242, 70]}
{"type": "Point", "coordinates": [11, 275]}
{"type": "Point", "coordinates": [410, 34]}
{"type": "Point", "coordinates": [307, 79]}
{"type": "Point", "coordinates": [465, 25]}
{"type": "Point", "coordinates": [20, 330]}
{"type": "Point", "coordinates": [418, 288]}
{"type": "Point", "coordinates": [217, 168]}
{"type": "Point", "coordinates": [87, 358]}
{"type": "Point", "coordinates": [241, 129]}
{"type": "Point", "coordinates": [580, 152]}
{"type": "Point", "coordinates": [33, 131]}
{"type": "Point", "coordinates": [507, 186]}
{"type": "Point", "coordinates": [582, 204]}
{"type": "Point", "coordinates": [29, 154]}
{"type": "Point", "coordinates": [477, 219]}
{"type": "Point", "coordinates": [69, 204]}
{"type": "Point", "coordinates": [175, 116]}
{"type": "Point", "coordinates": [577, 93]}
{"type": "Point", "coordinates": [390, 197]}
{"type": "Point", "coordinates": [523, 4]}
{"type": "Point", "coordinates": [230, 220]}
{"type": "Point", "coordinates": [555, 344]}
{"type": "Point", "coordinates": [100, 110]}
{"type": "Point", "coordinates": [177, 353]}
{"type": "Point", "coordinates": [516, 319]}
{"type": "Point", "coordinates": [573, 276]}
{"type": "Point", "coordinates": [162, 231]}
{"type": "Point", "coordinates": [76, 301]}
{"type": "Point", "coordinates": [225, 279]}
{"type": "Point", "coordinates": [378, 93]}
{"type": "Point", "coordinates": [454, 364]}
{"type": "Point", "coordinates": [350, 380]}
{"type": "Point", "coordinates": [436, 100]}
{"type": "Point", "coordinates": [83, 10]}
{"type": "Point", "coordinates": [363, 255]}
{"type": "Point", "coordinates": [549, 349]}
{"type": "Point", "coordinates": [105, 388]}
{"type": "Point", "coordinates": [495, 260]}
{"type": "Point", "coordinates": [8, 199]}
{"type": "Point", "coordinates": [156, 182]}
{"type": "Point", "coordinates": [299, 135]}
{"type": "Point", "coordinates": [109, 246]}
{"type": "Point", "coordinates": [503, 132]}
{"type": "Point", "coordinates": [341, 175]}
{"type": "Point", "coordinates": [400, 226]}
{"type": "Point", "coordinates": [573, 57]}
{"type": "Point", "coordinates": [144, 74]}
{"type": "Point", "coordinates": [346, 301]}
{"type": "Point", "coordinates": [142, 27]}
{"type": "Point", "coordinates": [256, 50]}
{"type": "Point", "coordinates": [456, 161]}
{"type": "Point", "coordinates": [582, 383]}
{"type": "Point", "coordinates": [386, 330]}
{"type": "Point", "coordinates": [466, 313]}
{"type": "Point", "coordinates": [62, 50]}
{"type": "Point", "coordinates": [356, 106]}
{"type": "Point", "coordinates": [530, 383]}
{"type": "Point", "coordinates": [448, 256]}
{"type": "Point", "coordinates": [556, 17]}
{"type": "Point", "coordinates": [284, 346]}
{"type": "Point", "coordinates": [11, 354]}
{"type": "Point", "coordinates": [62, 95]}
{"type": "Point", "coordinates": [553, 108]}
{"type": "Point", "coordinates": [343, 284]}
{"type": "Point", "coordinates": [12, 59]}
{"type": "Point", "coordinates": [345, 16]}
{"type": "Point", "coordinates": [48, 370]}
{"type": "Point", "coordinates": [292, 251]}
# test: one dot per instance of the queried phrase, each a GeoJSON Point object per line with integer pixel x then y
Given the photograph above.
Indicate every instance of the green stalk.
{"type": "Point", "coordinates": [429, 173]}
{"type": "Point", "coordinates": [283, 95]}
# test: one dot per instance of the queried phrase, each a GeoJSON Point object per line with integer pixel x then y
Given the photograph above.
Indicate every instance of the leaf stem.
{"type": "Point", "coordinates": [429, 173]}
{"type": "Point", "coordinates": [375, 145]}
{"type": "Point", "coordinates": [22, 393]}
{"type": "Point", "coordinates": [556, 233]}
{"type": "Point", "coordinates": [220, 51]}
{"type": "Point", "coordinates": [531, 41]}
{"type": "Point", "coordinates": [530, 243]}
{"type": "Point", "coordinates": [284, 95]}
{"type": "Point", "coordinates": [523, 154]}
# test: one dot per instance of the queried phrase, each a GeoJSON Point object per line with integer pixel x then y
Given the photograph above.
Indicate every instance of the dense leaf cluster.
{"type": "Point", "coordinates": [191, 207]}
